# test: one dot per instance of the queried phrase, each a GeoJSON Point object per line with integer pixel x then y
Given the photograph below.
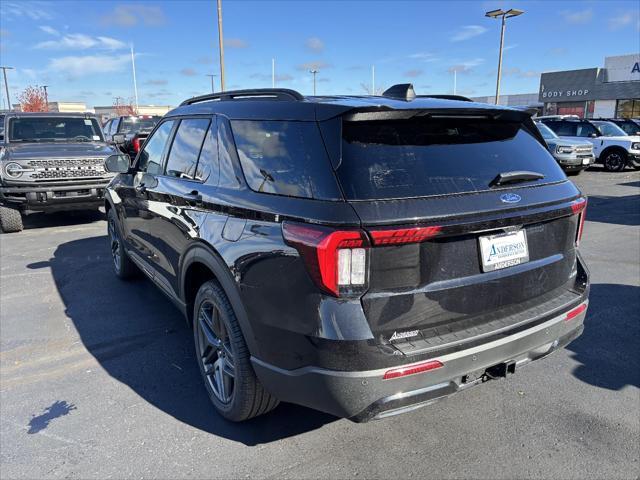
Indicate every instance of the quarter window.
{"type": "Point", "coordinates": [208, 161]}
{"type": "Point", "coordinates": [183, 157]}
{"type": "Point", "coordinates": [150, 158]}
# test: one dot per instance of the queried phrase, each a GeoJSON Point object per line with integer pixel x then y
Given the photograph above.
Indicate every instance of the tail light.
{"type": "Point", "coordinates": [336, 259]}
{"type": "Point", "coordinates": [571, 314]}
{"type": "Point", "coordinates": [579, 207]}
{"type": "Point", "coordinates": [136, 144]}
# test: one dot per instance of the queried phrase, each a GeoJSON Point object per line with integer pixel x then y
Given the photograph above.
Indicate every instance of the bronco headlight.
{"type": "Point", "coordinates": [564, 149]}
{"type": "Point", "coordinates": [13, 170]}
{"type": "Point", "coordinates": [635, 146]}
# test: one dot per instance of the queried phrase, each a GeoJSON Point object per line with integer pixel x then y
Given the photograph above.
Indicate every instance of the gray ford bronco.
{"type": "Point", "coordinates": [50, 162]}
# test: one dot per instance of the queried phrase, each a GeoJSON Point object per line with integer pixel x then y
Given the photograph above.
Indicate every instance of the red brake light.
{"type": "Point", "coordinates": [571, 314]}
{"type": "Point", "coordinates": [320, 247]}
{"type": "Point", "coordinates": [404, 235]}
{"type": "Point", "coordinates": [136, 144]}
{"type": "Point", "coordinates": [579, 207]}
{"type": "Point", "coordinates": [412, 369]}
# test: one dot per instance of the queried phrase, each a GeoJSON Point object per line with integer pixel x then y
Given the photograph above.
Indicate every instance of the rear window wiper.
{"type": "Point", "coordinates": [514, 177]}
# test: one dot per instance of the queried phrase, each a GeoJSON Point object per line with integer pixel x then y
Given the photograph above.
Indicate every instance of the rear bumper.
{"type": "Point", "coordinates": [52, 197]}
{"type": "Point", "coordinates": [364, 395]}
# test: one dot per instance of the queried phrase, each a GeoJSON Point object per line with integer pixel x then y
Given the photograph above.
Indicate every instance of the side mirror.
{"type": "Point", "coordinates": [593, 135]}
{"type": "Point", "coordinates": [118, 138]}
{"type": "Point", "coordinates": [119, 163]}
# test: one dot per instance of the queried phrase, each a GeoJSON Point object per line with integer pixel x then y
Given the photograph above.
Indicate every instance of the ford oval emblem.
{"type": "Point", "coordinates": [510, 198]}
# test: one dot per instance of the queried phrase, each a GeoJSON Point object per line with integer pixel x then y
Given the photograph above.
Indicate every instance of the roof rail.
{"type": "Point", "coordinates": [266, 93]}
{"type": "Point", "coordinates": [401, 91]}
{"type": "Point", "coordinates": [448, 97]}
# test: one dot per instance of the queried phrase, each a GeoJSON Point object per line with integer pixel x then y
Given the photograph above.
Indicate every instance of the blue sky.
{"type": "Point", "coordinates": [80, 48]}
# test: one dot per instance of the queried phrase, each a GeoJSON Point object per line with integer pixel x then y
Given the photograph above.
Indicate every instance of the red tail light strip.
{"type": "Point", "coordinates": [571, 314]}
{"type": "Point", "coordinates": [412, 369]}
{"type": "Point", "coordinates": [579, 207]}
{"type": "Point", "coordinates": [404, 235]}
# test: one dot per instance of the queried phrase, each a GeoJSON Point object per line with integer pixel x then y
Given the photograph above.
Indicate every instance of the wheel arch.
{"type": "Point", "coordinates": [202, 263]}
{"type": "Point", "coordinates": [612, 148]}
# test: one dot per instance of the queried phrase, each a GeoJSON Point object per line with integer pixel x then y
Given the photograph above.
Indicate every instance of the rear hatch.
{"type": "Point", "coordinates": [458, 250]}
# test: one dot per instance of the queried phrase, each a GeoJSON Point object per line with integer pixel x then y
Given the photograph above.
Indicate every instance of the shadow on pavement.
{"type": "Point", "coordinates": [141, 340]}
{"type": "Point", "coordinates": [61, 219]}
{"type": "Point", "coordinates": [55, 410]}
{"type": "Point", "coordinates": [630, 184]}
{"type": "Point", "coordinates": [608, 348]}
{"type": "Point", "coordinates": [615, 210]}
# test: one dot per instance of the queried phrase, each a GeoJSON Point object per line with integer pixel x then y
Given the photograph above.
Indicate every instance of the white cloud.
{"type": "Point", "coordinates": [314, 44]}
{"type": "Point", "coordinates": [467, 32]}
{"type": "Point", "coordinates": [578, 17]}
{"type": "Point", "coordinates": [623, 20]}
{"type": "Point", "coordinates": [132, 15]}
{"type": "Point", "coordinates": [465, 66]}
{"type": "Point", "coordinates": [320, 65]}
{"type": "Point", "coordinates": [32, 10]}
{"type": "Point", "coordinates": [424, 56]}
{"type": "Point", "coordinates": [235, 43]}
{"type": "Point", "coordinates": [78, 66]}
{"type": "Point", "coordinates": [49, 30]}
{"type": "Point", "coordinates": [80, 41]}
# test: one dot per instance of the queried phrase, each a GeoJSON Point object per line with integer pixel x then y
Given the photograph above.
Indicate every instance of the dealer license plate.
{"type": "Point", "coordinates": [504, 250]}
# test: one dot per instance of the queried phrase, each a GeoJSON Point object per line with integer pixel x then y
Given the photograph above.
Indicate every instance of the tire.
{"type": "Point", "coordinates": [615, 161]}
{"type": "Point", "coordinates": [123, 267]}
{"type": "Point", "coordinates": [10, 220]}
{"type": "Point", "coordinates": [224, 359]}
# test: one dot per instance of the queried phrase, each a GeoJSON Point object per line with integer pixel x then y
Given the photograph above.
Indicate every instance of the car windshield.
{"type": "Point", "coordinates": [137, 124]}
{"type": "Point", "coordinates": [629, 126]}
{"type": "Point", "coordinates": [545, 131]}
{"type": "Point", "coordinates": [610, 129]}
{"type": "Point", "coordinates": [54, 129]}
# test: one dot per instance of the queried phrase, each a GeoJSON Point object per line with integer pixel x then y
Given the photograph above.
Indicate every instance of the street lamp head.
{"type": "Point", "coordinates": [514, 12]}
{"type": "Point", "coordinates": [313, 71]}
{"type": "Point", "coordinates": [495, 13]}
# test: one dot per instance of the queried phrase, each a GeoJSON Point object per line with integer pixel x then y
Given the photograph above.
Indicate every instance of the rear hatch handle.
{"type": "Point", "coordinates": [515, 176]}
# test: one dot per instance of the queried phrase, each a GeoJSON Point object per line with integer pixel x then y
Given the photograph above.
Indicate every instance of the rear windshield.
{"type": "Point", "coordinates": [137, 124]}
{"type": "Point", "coordinates": [54, 129]}
{"type": "Point", "coordinates": [422, 157]}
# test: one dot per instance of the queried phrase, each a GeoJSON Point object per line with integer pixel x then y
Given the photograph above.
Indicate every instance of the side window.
{"type": "Point", "coordinates": [114, 126]}
{"type": "Point", "coordinates": [564, 129]}
{"type": "Point", "coordinates": [208, 161]}
{"type": "Point", "coordinates": [107, 128]}
{"type": "Point", "coordinates": [585, 129]}
{"type": "Point", "coordinates": [187, 143]}
{"type": "Point", "coordinates": [227, 156]}
{"type": "Point", "coordinates": [150, 158]}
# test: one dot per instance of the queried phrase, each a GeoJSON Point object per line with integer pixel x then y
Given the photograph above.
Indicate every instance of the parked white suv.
{"type": "Point", "coordinates": [612, 147]}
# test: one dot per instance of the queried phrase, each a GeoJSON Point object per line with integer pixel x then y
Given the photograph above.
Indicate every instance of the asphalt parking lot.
{"type": "Point", "coordinates": [98, 379]}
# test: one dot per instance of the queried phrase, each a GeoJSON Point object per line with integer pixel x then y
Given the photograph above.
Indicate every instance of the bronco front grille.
{"type": "Point", "coordinates": [65, 168]}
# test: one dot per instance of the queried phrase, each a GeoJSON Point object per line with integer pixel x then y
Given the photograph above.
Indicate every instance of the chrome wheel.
{"type": "Point", "coordinates": [115, 245]}
{"type": "Point", "coordinates": [214, 351]}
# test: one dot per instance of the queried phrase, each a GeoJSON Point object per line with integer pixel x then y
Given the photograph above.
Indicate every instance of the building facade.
{"type": "Point", "coordinates": [516, 100]}
{"type": "Point", "coordinates": [612, 91]}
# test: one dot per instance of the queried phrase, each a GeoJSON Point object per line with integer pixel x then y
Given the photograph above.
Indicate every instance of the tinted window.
{"type": "Point", "coordinates": [546, 132]}
{"type": "Point", "coordinates": [285, 158]}
{"type": "Point", "coordinates": [186, 146]}
{"type": "Point", "coordinates": [138, 124]}
{"type": "Point", "coordinates": [208, 161]}
{"type": "Point", "coordinates": [51, 129]}
{"type": "Point", "coordinates": [573, 129]}
{"type": "Point", "coordinates": [422, 157]}
{"type": "Point", "coordinates": [150, 158]}
{"type": "Point", "coordinates": [610, 129]}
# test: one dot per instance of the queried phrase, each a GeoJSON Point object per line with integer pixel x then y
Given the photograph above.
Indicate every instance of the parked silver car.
{"type": "Point", "coordinates": [572, 155]}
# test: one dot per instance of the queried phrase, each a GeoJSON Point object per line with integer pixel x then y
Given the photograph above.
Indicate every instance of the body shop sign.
{"type": "Point", "coordinates": [565, 93]}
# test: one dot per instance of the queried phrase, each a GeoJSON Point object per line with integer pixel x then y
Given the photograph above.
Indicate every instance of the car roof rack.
{"type": "Point", "coordinates": [447, 97]}
{"type": "Point", "coordinates": [255, 93]}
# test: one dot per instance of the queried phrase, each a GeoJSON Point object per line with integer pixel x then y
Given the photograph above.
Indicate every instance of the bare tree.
{"type": "Point", "coordinates": [367, 89]}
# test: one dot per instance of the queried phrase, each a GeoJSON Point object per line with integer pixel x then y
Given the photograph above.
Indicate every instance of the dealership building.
{"type": "Point", "coordinates": [612, 91]}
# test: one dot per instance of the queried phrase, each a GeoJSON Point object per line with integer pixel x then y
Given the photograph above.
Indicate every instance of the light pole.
{"type": "Point", "coordinates": [221, 44]}
{"type": "Point", "coordinates": [503, 15]}
{"type": "Point", "coordinates": [213, 90]}
{"type": "Point", "coordinates": [46, 96]}
{"type": "Point", "coordinates": [314, 72]}
{"type": "Point", "coordinates": [6, 86]}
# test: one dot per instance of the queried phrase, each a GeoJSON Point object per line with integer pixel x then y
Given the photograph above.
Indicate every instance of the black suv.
{"type": "Point", "coordinates": [358, 255]}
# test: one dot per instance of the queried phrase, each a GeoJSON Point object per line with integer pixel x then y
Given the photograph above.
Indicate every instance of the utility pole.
{"type": "Point", "coordinates": [273, 73]}
{"type": "Point", "coordinates": [373, 79]}
{"type": "Point", "coordinates": [314, 72]}
{"type": "Point", "coordinates": [221, 44]}
{"type": "Point", "coordinates": [213, 90]}
{"type": "Point", "coordinates": [503, 15]}
{"type": "Point", "coordinates": [6, 86]}
{"type": "Point", "coordinates": [135, 84]}
{"type": "Point", "coordinates": [46, 96]}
